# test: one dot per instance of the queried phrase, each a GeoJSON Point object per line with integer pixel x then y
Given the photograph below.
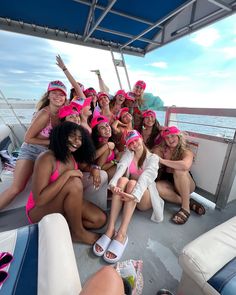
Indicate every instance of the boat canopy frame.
{"type": "Point", "coordinates": [131, 27]}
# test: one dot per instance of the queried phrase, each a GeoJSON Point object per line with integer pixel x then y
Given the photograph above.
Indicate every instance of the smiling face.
{"type": "Point", "coordinates": [149, 121]}
{"type": "Point", "coordinates": [120, 98]}
{"type": "Point", "coordinates": [137, 90]}
{"type": "Point", "coordinates": [57, 97]}
{"type": "Point", "coordinates": [172, 140]}
{"type": "Point", "coordinates": [103, 101]}
{"type": "Point", "coordinates": [74, 141]}
{"type": "Point", "coordinates": [126, 117]}
{"type": "Point", "coordinates": [73, 118]}
{"type": "Point", "coordinates": [104, 129]}
{"type": "Point", "coordinates": [136, 145]}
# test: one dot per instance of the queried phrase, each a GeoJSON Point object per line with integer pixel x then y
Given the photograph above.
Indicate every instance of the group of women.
{"type": "Point", "coordinates": [81, 144]}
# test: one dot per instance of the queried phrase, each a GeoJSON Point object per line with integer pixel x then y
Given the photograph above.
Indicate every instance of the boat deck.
{"type": "Point", "coordinates": [157, 245]}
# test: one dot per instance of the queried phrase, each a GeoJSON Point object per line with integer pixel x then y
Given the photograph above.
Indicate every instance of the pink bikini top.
{"type": "Point", "coordinates": [134, 170]}
{"type": "Point", "coordinates": [46, 130]}
{"type": "Point", "coordinates": [110, 157]}
{"type": "Point", "coordinates": [56, 173]}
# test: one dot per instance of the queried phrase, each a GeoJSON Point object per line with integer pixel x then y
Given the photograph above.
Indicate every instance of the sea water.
{"type": "Point", "coordinates": [210, 125]}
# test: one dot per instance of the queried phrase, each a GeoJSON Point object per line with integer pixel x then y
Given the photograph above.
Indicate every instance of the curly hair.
{"type": "Point", "coordinates": [59, 143]}
{"type": "Point", "coordinates": [95, 136]}
{"type": "Point", "coordinates": [155, 132]}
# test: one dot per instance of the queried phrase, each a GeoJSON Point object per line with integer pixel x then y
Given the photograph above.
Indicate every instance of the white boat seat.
{"type": "Point", "coordinates": [44, 260]}
{"type": "Point", "coordinates": [209, 262]}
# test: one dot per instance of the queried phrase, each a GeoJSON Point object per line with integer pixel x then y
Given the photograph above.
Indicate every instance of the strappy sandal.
{"type": "Point", "coordinates": [181, 216]}
{"type": "Point", "coordinates": [196, 207]}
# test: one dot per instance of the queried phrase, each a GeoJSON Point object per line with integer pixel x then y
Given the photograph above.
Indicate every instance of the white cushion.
{"type": "Point", "coordinates": [57, 269]}
{"type": "Point", "coordinates": [207, 254]}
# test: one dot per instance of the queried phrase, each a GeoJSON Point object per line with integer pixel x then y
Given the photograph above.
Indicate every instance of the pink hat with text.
{"type": "Point", "coordinates": [89, 91]}
{"type": "Point", "coordinates": [101, 94]}
{"type": "Point", "coordinates": [97, 120]}
{"type": "Point", "coordinates": [67, 111]}
{"type": "Point", "coordinates": [121, 111]}
{"type": "Point", "coordinates": [120, 92]}
{"type": "Point", "coordinates": [132, 136]}
{"type": "Point", "coordinates": [57, 85]}
{"type": "Point", "coordinates": [82, 102]}
{"type": "Point", "coordinates": [149, 113]}
{"type": "Point", "coordinates": [140, 83]}
{"type": "Point", "coordinates": [170, 130]}
{"type": "Point", "coordinates": [130, 96]}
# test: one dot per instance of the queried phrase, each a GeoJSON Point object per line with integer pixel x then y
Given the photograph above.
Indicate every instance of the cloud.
{"type": "Point", "coordinates": [160, 64]}
{"type": "Point", "coordinates": [16, 71]}
{"type": "Point", "coordinates": [206, 37]}
{"type": "Point", "coordinates": [229, 52]}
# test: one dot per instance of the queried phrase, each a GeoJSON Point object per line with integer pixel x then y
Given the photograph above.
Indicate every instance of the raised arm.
{"type": "Point", "coordinates": [102, 86]}
{"type": "Point", "coordinates": [71, 79]}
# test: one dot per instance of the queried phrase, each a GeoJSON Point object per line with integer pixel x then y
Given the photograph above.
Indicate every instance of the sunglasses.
{"type": "Point", "coordinates": [5, 259]}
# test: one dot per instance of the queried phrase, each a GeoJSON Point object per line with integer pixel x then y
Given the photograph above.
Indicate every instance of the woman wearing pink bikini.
{"type": "Point", "coordinates": [132, 185]}
{"type": "Point", "coordinates": [57, 186]}
{"type": "Point", "coordinates": [36, 139]}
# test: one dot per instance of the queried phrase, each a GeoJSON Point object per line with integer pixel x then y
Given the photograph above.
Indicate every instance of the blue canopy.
{"type": "Point", "coordinates": [129, 26]}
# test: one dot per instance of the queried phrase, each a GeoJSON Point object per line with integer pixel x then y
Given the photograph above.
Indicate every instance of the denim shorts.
{"type": "Point", "coordinates": [30, 151]}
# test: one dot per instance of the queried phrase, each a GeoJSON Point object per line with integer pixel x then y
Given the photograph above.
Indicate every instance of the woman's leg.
{"type": "Point", "coordinates": [68, 202]}
{"type": "Point", "coordinates": [116, 205]}
{"type": "Point", "coordinates": [106, 281]}
{"type": "Point", "coordinates": [22, 173]}
{"type": "Point", "coordinates": [167, 192]}
{"type": "Point", "coordinates": [127, 214]}
{"type": "Point", "coordinates": [184, 185]}
{"type": "Point", "coordinates": [92, 216]}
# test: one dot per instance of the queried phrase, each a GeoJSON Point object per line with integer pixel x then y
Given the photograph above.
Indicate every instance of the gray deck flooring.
{"type": "Point", "coordinates": [158, 245]}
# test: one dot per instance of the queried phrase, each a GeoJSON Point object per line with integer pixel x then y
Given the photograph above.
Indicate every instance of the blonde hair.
{"type": "Point", "coordinates": [43, 102]}
{"type": "Point", "coordinates": [180, 148]}
{"type": "Point", "coordinates": [139, 99]}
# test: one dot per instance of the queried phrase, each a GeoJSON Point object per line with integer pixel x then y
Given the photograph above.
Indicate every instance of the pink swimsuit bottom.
{"type": "Point", "coordinates": [31, 203]}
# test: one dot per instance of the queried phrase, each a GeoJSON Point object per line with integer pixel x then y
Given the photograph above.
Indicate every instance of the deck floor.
{"type": "Point", "coordinates": [158, 245]}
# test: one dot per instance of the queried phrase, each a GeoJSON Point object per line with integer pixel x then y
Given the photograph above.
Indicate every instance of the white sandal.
{"type": "Point", "coordinates": [103, 242]}
{"type": "Point", "coordinates": [117, 248]}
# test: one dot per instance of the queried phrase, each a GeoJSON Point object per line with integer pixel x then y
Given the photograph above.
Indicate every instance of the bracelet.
{"type": "Point", "coordinates": [64, 69]}
{"type": "Point", "coordinates": [96, 167]}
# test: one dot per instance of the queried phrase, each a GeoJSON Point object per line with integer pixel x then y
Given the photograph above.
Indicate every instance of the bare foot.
{"type": "Point", "coordinates": [109, 234]}
{"type": "Point", "coordinates": [120, 238]}
{"type": "Point", "coordinates": [85, 236]}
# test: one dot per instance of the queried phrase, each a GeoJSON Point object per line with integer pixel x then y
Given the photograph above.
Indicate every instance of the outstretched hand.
{"type": "Point", "coordinates": [60, 62]}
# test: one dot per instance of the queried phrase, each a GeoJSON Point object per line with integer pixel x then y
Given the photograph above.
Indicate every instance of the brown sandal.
{"type": "Point", "coordinates": [181, 216]}
{"type": "Point", "coordinates": [196, 207]}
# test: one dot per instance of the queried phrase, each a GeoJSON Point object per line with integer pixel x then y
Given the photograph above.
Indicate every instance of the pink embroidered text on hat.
{"type": "Point", "coordinates": [67, 111]}
{"type": "Point", "coordinates": [120, 92]}
{"type": "Point", "coordinates": [101, 94]}
{"type": "Point", "coordinates": [82, 102]}
{"type": "Point", "coordinates": [170, 130]}
{"type": "Point", "coordinates": [57, 85]}
{"type": "Point", "coordinates": [141, 83]}
{"type": "Point", "coordinates": [122, 111]}
{"type": "Point", "coordinates": [132, 136]}
{"type": "Point", "coordinates": [130, 96]}
{"type": "Point", "coordinates": [149, 113]}
{"type": "Point", "coordinates": [97, 120]}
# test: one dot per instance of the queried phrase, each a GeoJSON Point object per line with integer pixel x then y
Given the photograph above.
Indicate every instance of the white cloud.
{"type": "Point", "coordinates": [160, 64]}
{"type": "Point", "coordinates": [229, 52]}
{"type": "Point", "coordinates": [17, 71]}
{"type": "Point", "coordinates": [206, 37]}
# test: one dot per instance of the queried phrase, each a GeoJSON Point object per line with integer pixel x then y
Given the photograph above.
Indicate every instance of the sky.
{"type": "Point", "coordinates": [198, 70]}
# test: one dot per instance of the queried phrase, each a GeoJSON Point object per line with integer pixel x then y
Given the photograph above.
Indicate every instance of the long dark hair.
{"type": "Point", "coordinates": [96, 136]}
{"type": "Point", "coordinates": [59, 143]}
{"type": "Point", "coordinates": [150, 143]}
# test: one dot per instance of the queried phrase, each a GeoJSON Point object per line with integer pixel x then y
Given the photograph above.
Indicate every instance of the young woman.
{"type": "Point", "coordinates": [150, 129]}
{"type": "Point", "coordinates": [121, 126]}
{"type": "Point", "coordinates": [36, 139]}
{"type": "Point", "coordinates": [138, 91]}
{"type": "Point", "coordinates": [117, 102]}
{"type": "Point", "coordinates": [69, 113]}
{"type": "Point", "coordinates": [103, 102]}
{"type": "Point", "coordinates": [105, 154]}
{"type": "Point", "coordinates": [132, 185]}
{"type": "Point", "coordinates": [85, 111]}
{"type": "Point", "coordinates": [57, 185]}
{"type": "Point", "coordinates": [175, 183]}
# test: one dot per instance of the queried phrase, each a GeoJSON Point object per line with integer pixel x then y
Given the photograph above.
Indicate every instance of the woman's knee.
{"type": "Point", "coordinates": [74, 185]}
{"type": "Point", "coordinates": [100, 219]}
{"type": "Point", "coordinates": [130, 186]}
{"type": "Point", "coordinates": [122, 182]}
